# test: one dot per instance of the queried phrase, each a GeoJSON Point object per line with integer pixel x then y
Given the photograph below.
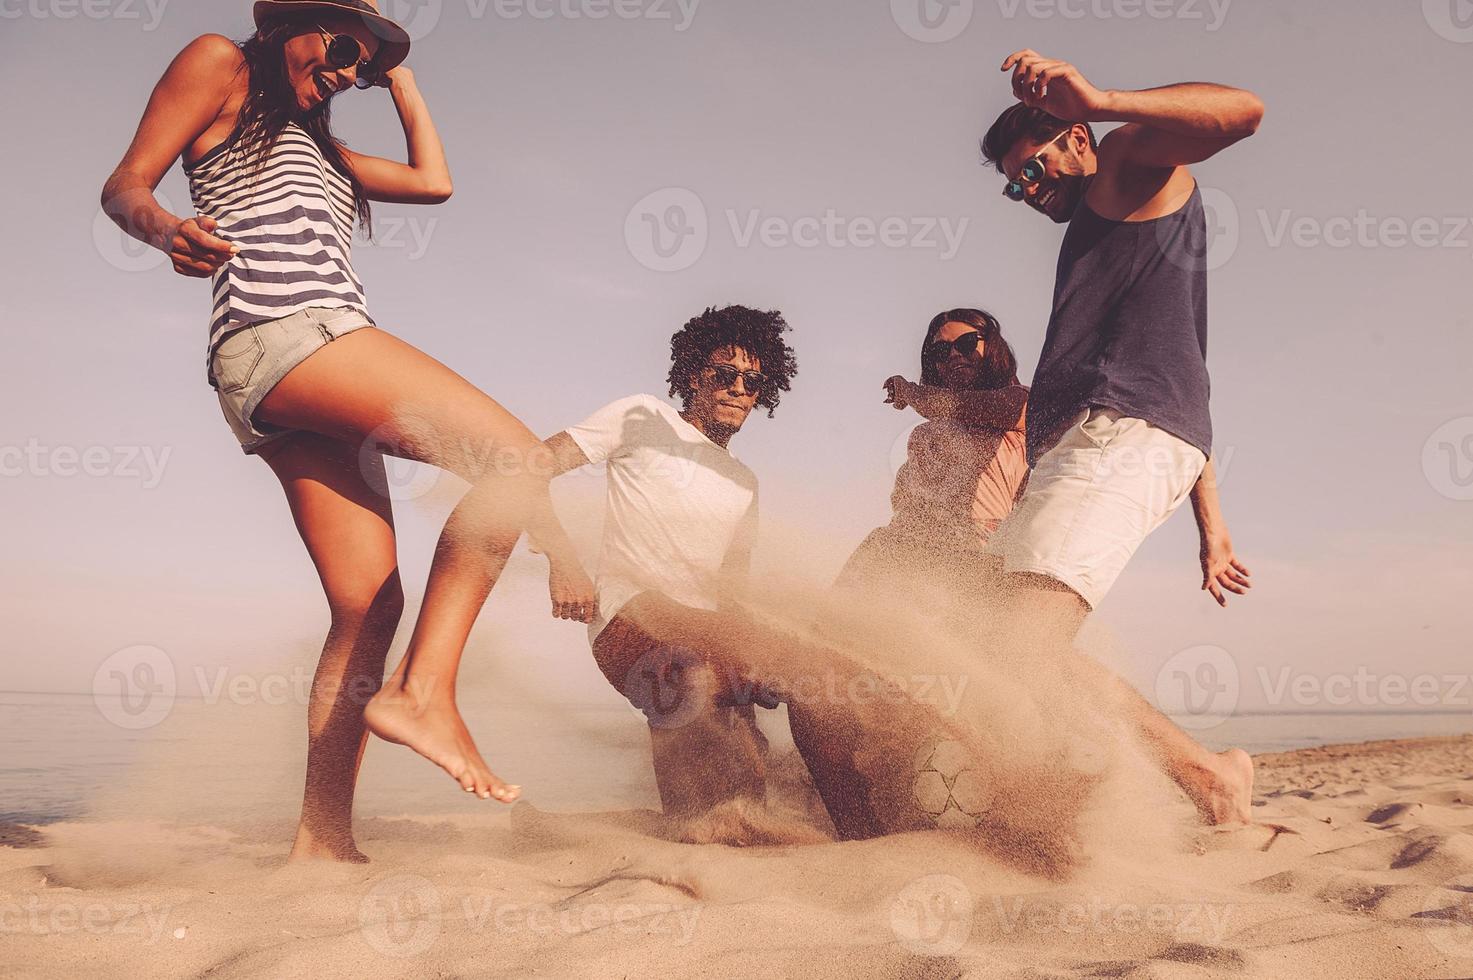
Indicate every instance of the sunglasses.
{"type": "Point", "coordinates": [726, 376]}
{"type": "Point", "coordinates": [346, 51]}
{"type": "Point", "coordinates": [1031, 172]}
{"type": "Point", "coordinates": [966, 345]}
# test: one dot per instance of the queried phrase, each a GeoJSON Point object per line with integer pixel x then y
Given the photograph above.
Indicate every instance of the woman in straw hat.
{"type": "Point", "coordinates": [310, 384]}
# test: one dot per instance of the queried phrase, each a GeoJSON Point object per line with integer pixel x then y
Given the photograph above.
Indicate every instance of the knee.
{"type": "Point", "coordinates": [375, 604]}
{"type": "Point", "coordinates": [674, 695]}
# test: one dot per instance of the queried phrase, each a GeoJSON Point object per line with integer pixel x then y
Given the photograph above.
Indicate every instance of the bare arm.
{"type": "Point", "coordinates": [1221, 568]}
{"type": "Point", "coordinates": [571, 590]}
{"type": "Point", "coordinates": [1172, 126]}
{"type": "Point", "coordinates": [186, 102]}
{"type": "Point", "coordinates": [997, 408]}
{"type": "Point", "coordinates": [425, 179]}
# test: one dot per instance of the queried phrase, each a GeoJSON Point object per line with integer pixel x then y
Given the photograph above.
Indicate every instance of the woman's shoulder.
{"type": "Point", "coordinates": [209, 55]}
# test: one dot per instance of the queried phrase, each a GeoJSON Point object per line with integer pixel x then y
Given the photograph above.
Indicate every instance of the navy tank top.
{"type": "Point", "coordinates": [1129, 327]}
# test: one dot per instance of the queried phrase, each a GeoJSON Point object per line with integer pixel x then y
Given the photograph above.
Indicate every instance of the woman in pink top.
{"type": "Point", "coordinates": [966, 464]}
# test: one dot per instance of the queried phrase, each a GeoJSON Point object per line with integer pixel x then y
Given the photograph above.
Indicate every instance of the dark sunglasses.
{"type": "Point", "coordinates": [966, 345]}
{"type": "Point", "coordinates": [1032, 171]}
{"type": "Point", "coordinates": [726, 376]}
{"type": "Point", "coordinates": [346, 51]}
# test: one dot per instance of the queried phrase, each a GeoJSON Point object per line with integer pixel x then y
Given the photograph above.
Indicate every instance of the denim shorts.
{"type": "Point", "coordinates": [249, 361]}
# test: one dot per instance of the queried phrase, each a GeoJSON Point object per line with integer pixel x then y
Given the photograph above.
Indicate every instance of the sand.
{"type": "Point", "coordinates": [1361, 866]}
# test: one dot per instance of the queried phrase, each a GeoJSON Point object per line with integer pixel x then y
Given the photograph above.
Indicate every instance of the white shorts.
{"type": "Point", "coordinates": [1093, 498]}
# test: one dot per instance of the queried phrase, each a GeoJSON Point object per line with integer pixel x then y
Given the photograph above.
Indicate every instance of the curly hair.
{"type": "Point", "coordinates": [1019, 122]}
{"type": "Point", "coordinates": [757, 333]}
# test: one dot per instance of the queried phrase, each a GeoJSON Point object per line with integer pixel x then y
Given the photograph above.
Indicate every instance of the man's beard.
{"type": "Point", "coordinates": [1068, 194]}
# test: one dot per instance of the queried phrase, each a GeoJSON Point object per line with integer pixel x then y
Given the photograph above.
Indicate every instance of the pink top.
{"type": "Point", "coordinates": [958, 483]}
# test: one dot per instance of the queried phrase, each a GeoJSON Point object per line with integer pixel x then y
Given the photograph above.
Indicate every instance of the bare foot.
{"type": "Point", "coordinates": [312, 848]}
{"type": "Point", "coordinates": [1227, 799]}
{"type": "Point", "coordinates": [434, 729]}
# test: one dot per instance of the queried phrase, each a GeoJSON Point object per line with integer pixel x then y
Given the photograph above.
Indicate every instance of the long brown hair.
{"type": "Point", "coordinates": [999, 364]}
{"type": "Point", "coordinates": [271, 103]}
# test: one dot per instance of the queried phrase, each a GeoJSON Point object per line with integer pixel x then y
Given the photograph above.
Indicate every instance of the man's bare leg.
{"type": "Point", "coordinates": [1042, 614]}
{"type": "Point", "coordinates": [831, 733]}
{"type": "Point", "coordinates": [707, 751]}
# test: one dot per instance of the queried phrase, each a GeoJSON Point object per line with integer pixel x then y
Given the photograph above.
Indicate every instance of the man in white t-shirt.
{"type": "Point", "coordinates": [678, 531]}
{"type": "Point", "coordinates": [678, 534]}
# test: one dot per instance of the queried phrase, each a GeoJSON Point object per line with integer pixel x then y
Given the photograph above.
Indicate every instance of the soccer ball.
{"type": "Point", "coordinates": [947, 789]}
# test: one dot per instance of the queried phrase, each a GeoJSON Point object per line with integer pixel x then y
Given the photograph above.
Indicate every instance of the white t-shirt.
{"type": "Point", "coordinates": [678, 505]}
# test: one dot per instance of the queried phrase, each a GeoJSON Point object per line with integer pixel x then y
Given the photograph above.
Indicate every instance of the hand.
{"type": "Point", "coordinates": [195, 251]}
{"type": "Point", "coordinates": [572, 593]}
{"type": "Point", "coordinates": [1221, 568]}
{"type": "Point", "coordinates": [1056, 87]}
{"type": "Point", "coordinates": [898, 392]}
{"type": "Point", "coordinates": [399, 75]}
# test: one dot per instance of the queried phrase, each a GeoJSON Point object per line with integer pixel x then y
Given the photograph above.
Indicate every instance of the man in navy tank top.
{"type": "Point", "coordinates": [1119, 432]}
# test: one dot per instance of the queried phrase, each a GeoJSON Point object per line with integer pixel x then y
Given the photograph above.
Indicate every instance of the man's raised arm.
{"type": "Point", "coordinates": [1171, 126]}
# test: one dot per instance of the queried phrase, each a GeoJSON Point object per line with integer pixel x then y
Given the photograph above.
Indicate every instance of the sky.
{"type": "Point", "coordinates": [819, 158]}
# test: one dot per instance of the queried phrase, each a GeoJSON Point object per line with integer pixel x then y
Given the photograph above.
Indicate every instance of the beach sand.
{"type": "Point", "coordinates": [1361, 865]}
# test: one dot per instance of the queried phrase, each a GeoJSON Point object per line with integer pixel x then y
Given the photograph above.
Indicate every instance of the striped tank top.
{"type": "Point", "coordinates": [292, 214]}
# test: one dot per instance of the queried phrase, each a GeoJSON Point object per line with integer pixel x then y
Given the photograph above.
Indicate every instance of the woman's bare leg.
{"type": "Point", "coordinates": [371, 390]}
{"type": "Point", "coordinates": [348, 528]}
